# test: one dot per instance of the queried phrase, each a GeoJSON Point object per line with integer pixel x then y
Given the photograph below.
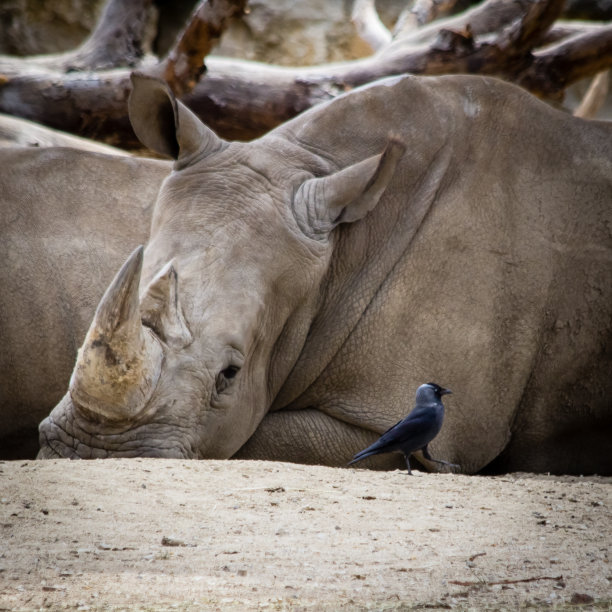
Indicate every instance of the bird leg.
{"type": "Point", "coordinates": [440, 461]}
{"type": "Point", "coordinates": [407, 457]}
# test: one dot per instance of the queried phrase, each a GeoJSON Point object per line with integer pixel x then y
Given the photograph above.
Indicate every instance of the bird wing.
{"type": "Point", "coordinates": [396, 437]}
{"type": "Point", "coordinates": [406, 429]}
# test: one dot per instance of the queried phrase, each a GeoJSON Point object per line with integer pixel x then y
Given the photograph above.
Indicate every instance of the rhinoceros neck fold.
{"type": "Point", "coordinates": [365, 255]}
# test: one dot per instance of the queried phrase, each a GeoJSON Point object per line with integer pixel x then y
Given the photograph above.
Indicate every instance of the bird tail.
{"type": "Point", "coordinates": [361, 455]}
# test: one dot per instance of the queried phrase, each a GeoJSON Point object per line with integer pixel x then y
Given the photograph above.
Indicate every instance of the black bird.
{"type": "Point", "coordinates": [416, 431]}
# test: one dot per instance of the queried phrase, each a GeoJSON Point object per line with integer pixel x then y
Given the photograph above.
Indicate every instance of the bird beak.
{"type": "Point", "coordinates": [445, 392]}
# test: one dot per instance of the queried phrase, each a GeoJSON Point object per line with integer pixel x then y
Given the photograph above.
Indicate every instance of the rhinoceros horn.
{"type": "Point", "coordinates": [120, 361]}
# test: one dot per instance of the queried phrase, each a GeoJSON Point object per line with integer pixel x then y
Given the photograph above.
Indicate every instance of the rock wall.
{"type": "Point", "coordinates": [33, 27]}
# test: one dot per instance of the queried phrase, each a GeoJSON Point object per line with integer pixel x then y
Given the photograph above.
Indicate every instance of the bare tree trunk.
{"type": "Point", "coordinates": [117, 39]}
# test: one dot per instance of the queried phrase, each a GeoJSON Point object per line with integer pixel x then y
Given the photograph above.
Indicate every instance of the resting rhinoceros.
{"type": "Point", "coordinates": [295, 290]}
{"type": "Point", "coordinates": [68, 219]}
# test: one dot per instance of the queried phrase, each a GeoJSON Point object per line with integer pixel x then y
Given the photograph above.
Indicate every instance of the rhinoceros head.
{"type": "Point", "coordinates": [197, 332]}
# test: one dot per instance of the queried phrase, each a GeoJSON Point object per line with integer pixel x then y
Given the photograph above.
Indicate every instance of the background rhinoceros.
{"type": "Point", "coordinates": [296, 289]}
{"type": "Point", "coordinates": [68, 218]}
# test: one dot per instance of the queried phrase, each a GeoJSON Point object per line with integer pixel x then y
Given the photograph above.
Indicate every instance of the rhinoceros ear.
{"type": "Point", "coordinates": [161, 310]}
{"type": "Point", "coordinates": [167, 126]}
{"type": "Point", "coordinates": [320, 204]}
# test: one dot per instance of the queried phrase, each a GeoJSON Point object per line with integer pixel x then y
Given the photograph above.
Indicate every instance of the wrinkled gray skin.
{"type": "Point", "coordinates": [68, 220]}
{"type": "Point", "coordinates": [296, 290]}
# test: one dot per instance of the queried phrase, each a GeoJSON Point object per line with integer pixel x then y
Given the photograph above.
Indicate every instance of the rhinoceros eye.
{"type": "Point", "coordinates": [230, 372]}
{"type": "Point", "coordinates": [225, 376]}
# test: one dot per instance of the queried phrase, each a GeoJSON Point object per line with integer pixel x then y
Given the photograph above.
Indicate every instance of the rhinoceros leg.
{"type": "Point", "coordinates": [309, 436]}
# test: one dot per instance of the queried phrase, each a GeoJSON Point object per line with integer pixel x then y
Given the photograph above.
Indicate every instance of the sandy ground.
{"type": "Point", "coordinates": [235, 535]}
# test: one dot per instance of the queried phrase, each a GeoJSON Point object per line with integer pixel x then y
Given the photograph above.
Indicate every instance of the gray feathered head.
{"type": "Point", "coordinates": [430, 392]}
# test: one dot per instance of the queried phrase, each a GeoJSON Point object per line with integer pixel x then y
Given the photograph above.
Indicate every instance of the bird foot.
{"type": "Point", "coordinates": [453, 467]}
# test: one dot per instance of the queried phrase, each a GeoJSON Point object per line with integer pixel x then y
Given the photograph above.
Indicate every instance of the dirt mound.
{"type": "Point", "coordinates": [237, 535]}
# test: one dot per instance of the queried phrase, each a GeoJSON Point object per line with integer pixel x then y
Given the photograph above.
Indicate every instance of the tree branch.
{"type": "Point", "coordinates": [555, 68]}
{"type": "Point", "coordinates": [421, 13]}
{"type": "Point", "coordinates": [562, 30]}
{"type": "Point", "coordinates": [184, 64]}
{"type": "Point", "coordinates": [462, 51]}
{"type": "Point", "coordinates": [488, 17]}
{"type": "Point", "coordinates": [368, 25]}
{"type": "Point", "coordinates": [538, 19]}
{"type": "Point", "coordinates": [595, 96]}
